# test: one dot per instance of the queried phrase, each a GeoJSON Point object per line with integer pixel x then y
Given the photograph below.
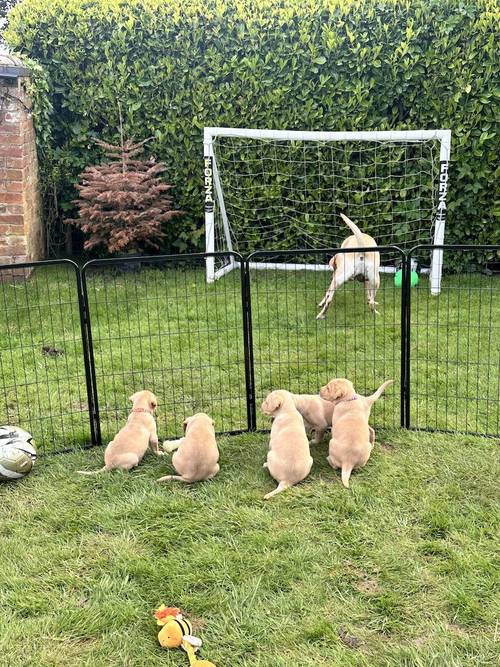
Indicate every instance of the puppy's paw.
{"type": "Point", "coordinates": [170, 446]}
{"type": "Point", "coordinates": [320, 316]}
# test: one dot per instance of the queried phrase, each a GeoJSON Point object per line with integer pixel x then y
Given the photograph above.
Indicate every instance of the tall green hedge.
{"type": "Point", "coordinates": [178, 65]}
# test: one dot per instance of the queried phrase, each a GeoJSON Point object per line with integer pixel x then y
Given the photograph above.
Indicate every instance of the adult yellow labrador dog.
{"type": "Point", "coordinates": [363, 266]}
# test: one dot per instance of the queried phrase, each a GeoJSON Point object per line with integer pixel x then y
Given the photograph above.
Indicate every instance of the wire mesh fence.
{"type": "Point", "coordinates": [294, 350]}
{"type": "Point", "coordinates": [74, 345]}
{"type": "Point", "coordinates": [43, 380]}
{"type": "Point", "coordinates": [156, 324]}
{"type": "Point", "coordinates": [454, 345]}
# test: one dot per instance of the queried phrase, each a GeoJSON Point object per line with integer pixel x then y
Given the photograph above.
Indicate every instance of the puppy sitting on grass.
{"type": "Point", "coordinates": [129, 445]}
{"type": "Point", "coordinates": [289, 460]}
{"type": "Point", "coordinates": [197, 455]}
{"type": "Point", "coordinates": [352, 438]}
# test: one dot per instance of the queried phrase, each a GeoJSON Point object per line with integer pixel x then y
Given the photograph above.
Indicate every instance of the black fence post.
{"type": "Point", "coordinates": [95, 422]}
{"type": "Point", "coordinates": [246, 297]}
{"type": "Point", "coordinates": [87, 359]}
{"type": "Point", "coordinates": [405, 341]}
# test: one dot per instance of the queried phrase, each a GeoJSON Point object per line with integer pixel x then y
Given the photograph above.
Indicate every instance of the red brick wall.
{"type": "Point", "coordinates": [21, 235]}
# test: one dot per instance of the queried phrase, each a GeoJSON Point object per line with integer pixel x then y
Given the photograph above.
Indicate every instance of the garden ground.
{"type": "Point", "coordinates": [400, 570]}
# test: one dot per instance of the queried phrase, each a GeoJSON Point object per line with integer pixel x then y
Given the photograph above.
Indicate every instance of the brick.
{"type": "Point", "coordinates": [10, 186]}
{"type": "Point", "coordinates": [14, 209]}
{"type": "Point", "coordinates": [11, 140]}
{"type": "Point", "coordinates": [8, 130]}
{"type": "Point", "coordinates": [16, 250]}
{"type": "Point", "coordinates": [11, 174]}
{"type": "Point", "coordinates": [10, 230]}
{"type": "Point", "coordinates": [13, 162]}
{"type": "Point", "coordinates": [11, 198]}
{"type": "Point", "coordinates": [6, 219]}
{"type": "Point", "coordinates": [13, 116]}
{"type": "Point", "coordinates": [16, 240]}
{"type": "Point", "coordinates": [11, 151]}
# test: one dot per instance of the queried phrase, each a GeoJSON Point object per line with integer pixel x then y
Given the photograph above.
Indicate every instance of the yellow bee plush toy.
{"type": "Point", "coordinates": [176, 633]}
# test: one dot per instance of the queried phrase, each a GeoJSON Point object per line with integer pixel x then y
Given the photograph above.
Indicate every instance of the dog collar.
{"type": "Point", "coordinates": [346, 400]}
{"type": "Point", "coordinates": [142, 410]}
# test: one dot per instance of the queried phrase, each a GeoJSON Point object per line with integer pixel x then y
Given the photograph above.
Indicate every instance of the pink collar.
{"type": "Point", "coordinates": [142, 410]}
{"type": "Point", "coordinates": [346, 400]}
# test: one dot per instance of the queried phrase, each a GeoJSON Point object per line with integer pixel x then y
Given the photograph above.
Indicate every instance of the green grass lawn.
{"type": "Point", "coordinates": [401, 570]}
{"type": "Point", "coordinates": [165, 329]}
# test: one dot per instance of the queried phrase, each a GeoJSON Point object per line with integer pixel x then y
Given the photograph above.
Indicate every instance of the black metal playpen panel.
{"type": "Point", "coordinates": [75, 344]}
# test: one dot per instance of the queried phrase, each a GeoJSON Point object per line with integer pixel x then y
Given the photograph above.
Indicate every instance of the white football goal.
{"type": "Point", "coordinates": [281, 190]}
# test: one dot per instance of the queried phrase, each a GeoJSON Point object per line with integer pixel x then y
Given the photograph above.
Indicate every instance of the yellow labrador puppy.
{"type": "Point", "coordinates": [363, 266]}
{"type": "Point", "coordinates": [352, 438]}
{"type": "Point", "coordinates": [129, 445]}
{"type": "Point", "coordinates": [289, 460]}
{"type": "Point", "coordinates": [316, 413]}
{"type": "Point", "coordinates": [197, 455]}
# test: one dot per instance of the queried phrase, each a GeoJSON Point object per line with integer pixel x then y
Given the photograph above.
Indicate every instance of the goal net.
{"type": "Point", "coordinates": [282, 190]}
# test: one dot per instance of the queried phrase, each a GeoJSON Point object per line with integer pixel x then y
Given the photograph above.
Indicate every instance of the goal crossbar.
{"type": "Point", "coordinates": [213, 189]}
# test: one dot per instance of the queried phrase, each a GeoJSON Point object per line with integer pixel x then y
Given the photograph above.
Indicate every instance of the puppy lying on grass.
{"type": "Point", "coordinates": [352, 438]}
{"type": "Point", "coordinates": [197, 455]}
{"type": "Point", "coordinates": [129, 445]}
{"type": "Point", "coordinates": [288, 460]}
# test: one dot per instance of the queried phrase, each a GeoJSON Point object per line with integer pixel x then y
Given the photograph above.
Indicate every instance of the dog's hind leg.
{"type": "Point", "coordinates": [339, 278]}
{"type": "Point", "coordinates": [372, 283]}
{"type": "Point", "coordinates": [127, 461]}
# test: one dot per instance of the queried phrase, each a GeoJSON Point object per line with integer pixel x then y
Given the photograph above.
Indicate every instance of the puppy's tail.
{"type": "Point", "coordinates": [281, 487]}
{"type": "Point", "coordinates": [354, 229]}
{"type": "Point", "coordinates": [374, 397]}
{"type": "Point", "coordinates": [92, 472]}
{"type": "Point", "coordinates": [346, 473]}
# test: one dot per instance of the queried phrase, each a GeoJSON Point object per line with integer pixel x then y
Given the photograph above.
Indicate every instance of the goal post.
{"type": "Point", "coordinates": [284, 190]}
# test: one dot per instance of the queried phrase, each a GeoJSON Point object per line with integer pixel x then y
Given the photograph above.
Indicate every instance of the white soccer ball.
{"type": "Point", "coordinates": [17, 453]}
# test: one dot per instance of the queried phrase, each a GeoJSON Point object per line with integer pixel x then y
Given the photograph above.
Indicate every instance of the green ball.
{"type": "Point", "coordinates": [398, 278]}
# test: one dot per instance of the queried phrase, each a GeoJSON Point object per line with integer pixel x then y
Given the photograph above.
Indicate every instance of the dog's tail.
{"type": "Point", "coordinates": [374, 397]}
{"type": "Point", "coordinates": [91, 472]}
{"type": "Point", "coordinates": [346, 473]}
{"type": "Point", "coordinates": [354, 229]}
{"type": "Point", "coordinates": [281, 487]}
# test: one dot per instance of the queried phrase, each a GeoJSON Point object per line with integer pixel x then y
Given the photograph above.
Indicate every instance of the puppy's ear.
{"type": "Point", "coordinates": [334, 390]}
{"type": "Point", "coordinates": [213, 423]}
{"type": "Point", "coordinates": [332, 263]}
{"type": "Point", "coordinates": [184, 424]}
{"type": "Point", "coordinates": [153, 403]}
{"type": "Point", "coordinates": [274, 403]}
